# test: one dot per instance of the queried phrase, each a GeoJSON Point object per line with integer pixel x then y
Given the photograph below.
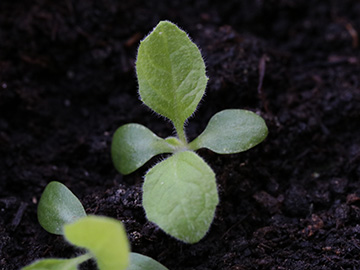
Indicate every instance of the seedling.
{"type": "Point", "coordinates": [179, 193]}
{"type": "Point", "coordinates": [60, 212]}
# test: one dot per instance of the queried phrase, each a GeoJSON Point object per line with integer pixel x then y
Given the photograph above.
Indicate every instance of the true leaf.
{"type": "Point", "coordinates": [180, 196]}
{"type": "Point", "coordinates": [171, 73]}
{"type": "Point", "coordinates": [141, 262]}
{"type": "Point", "coordinates": [231, 131]}
{"type": "Point", "coordinates": [57, 207]}
{"type": "Point", "coordinates": [57, 264]}
{"type": "Point", "coordinates": [133, 145]}
{"type": "Point", "coordinates": [104, 237]}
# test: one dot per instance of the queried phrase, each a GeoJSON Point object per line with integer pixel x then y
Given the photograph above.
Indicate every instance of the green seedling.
{"type": "Point", "coordinates": [104, 239]}
{"type": "Point", "coordinates": [179, 193]}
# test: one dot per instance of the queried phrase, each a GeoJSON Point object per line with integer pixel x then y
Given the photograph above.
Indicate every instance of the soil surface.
{"type": "Point", "coordinates": [67, 81]}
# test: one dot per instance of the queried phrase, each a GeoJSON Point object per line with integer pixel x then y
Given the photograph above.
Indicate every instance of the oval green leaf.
{"type": "Point", "coordinates": [231, 131]}
{"type": "Point", "coordinates": [57, 264]}
{"type": "Point", "coordinates": [104, 237]}
{"type": "Point", "coordinates": [141, 262]}
{"type": "Point", "coordinates": [133, 145]}
{"type": "Point", "coordinates": [180, 196]}
{"type": "Point", "coordinates": [171, 73]}
{"type": "Point", "coordinates": [57, 207]}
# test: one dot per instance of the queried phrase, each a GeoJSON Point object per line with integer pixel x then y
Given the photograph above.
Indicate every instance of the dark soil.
{"type": "Point", "coordinates": [67, 81]}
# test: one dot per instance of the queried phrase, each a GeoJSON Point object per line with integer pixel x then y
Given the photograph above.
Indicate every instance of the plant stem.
{"type": "Point", "coordinates": [83, 258]}
{"type": "Point", "coordinates": [180, 132]}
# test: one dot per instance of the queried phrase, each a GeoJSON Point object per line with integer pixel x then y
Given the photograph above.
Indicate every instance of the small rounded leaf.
{"type": "Point", "coordinates": [104, 237]}
{"type": "Point", "coordinates": [180, 196]}
{"type": "Point", "coordinates": [171, 73]}
{"type": "Point", "coordinates": [141, 262]}
{"type": "Point", "coordinates": [57, 207]}
{"type": "Point", "coordinates": [133, 145]}
{"type": "Point", "coordinates": [231, 131]}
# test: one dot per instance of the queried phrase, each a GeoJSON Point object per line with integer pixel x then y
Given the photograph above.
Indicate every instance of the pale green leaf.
{"type": "Point", "coordinates": [180, 196]}
{"type": "Point", "coordinates": [104, 237]}
{"type": "Point", "coordinates": [141, 262]}
{"type": "Point", "coordinates": [57, 207]}
{"type": "Point", "coordinates": [57, 264]}
{"type": "Point", "coordinates": [231, 131]}
{"type": "Point", "coordinates": [133, 145]}
{"type": "Point", "coordinates": [171, 73]}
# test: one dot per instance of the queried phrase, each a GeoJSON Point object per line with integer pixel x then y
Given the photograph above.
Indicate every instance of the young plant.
{"type": "Point", "coordinates": [179, 193]}
{"type": "Point", "coordinates": [60, 212]}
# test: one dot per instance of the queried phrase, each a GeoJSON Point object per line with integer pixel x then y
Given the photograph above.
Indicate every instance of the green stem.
{"type": "Point", "coordinates": [193, 145]}
{"type": "Point", "coordinates": [83, 258]}
{"type": "Point", "coordinates": [180, 132]}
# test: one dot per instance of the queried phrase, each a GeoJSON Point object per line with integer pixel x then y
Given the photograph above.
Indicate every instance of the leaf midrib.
{"type": "Point", "coordinates": [164, 37]}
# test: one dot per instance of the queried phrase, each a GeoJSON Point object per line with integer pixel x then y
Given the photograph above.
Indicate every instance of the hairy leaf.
{"type": "Point", "coordinates": [231, 131]}
{"type": "Point", "coordinates": [104, 237]}
{"type": "Point", "coordinates": [141, 262]}
{"type": "Point", "coordinates": [171, 73]}
{"type": "Point", "coordinates": [57, 207]}
{"type": "Point", "coordinates": [133, 145]}
{"type": "Point", "coordinates": [180, 196]}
